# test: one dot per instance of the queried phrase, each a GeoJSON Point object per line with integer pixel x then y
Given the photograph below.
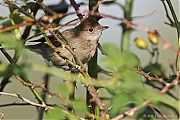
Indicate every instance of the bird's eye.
{"type": "Point", "coordinates": [90, 29]}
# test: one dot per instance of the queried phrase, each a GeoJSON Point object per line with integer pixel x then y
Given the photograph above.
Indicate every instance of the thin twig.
{"type": "Point", "coordinates": [95, 7]}
{"type": "Point", "coordinates": [16, 7]}
{"type": "Point", "coordinates": [2, 115]}
{"type": "Point", "coordinates": [160, 88]}
{"type": "Point", "coordinates": [148, 77]}
{"type": "Point", "coordinates": [159, 112]}
{"type": "Point", "coordinates": [172, 84]}
{"type": "Point", "coordinates": [76, 7]}
{"type": "Point", "coordinates": [20, 104]}
{"type": "Point", "coordinates": [67, 47]}
{"type": "Point", "coordinates": [96, 99]}
{"type": "Point", "coordinates": [131, 111]}
{"type": "Point", "coordinates": [146, 103]}
{"type": "Point", "coordinates": [128, 23]}
{"type": "Point", "coordinates": [26, 100]}
{"type": "Point", "coordinates": [29, 84]}
{"type": "Point", "coordinates": [43, 96]}
{"type": "Point", "coordinates": [167, 13]}
{"type": "Point", "coordinates": [18, 77]}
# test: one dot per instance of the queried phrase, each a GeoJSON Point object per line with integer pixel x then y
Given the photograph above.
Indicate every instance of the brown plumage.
{"type": "Point", "coordinates": [83, 38]}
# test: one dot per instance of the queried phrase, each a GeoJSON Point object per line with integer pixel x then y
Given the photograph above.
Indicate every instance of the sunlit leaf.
{"type": "Point", "coordinates": [118, 102]}
{"type": "Point", "coordinates": [79, 106]}
{"type": "Point", "coordinates": [9, 41]}
{"type": "Point", "coordinates": [55, 114]}
{"type": "Point", "coordinates": [63, 89]}
{"type": "Point", "coordinates": [72, 117]}
{"type": "Point", "coordinates": [2, 17]}
{"type": "Point", "coordinates": [116, 59]}
{"type": "Point", "coordinates": [131, 80]}
{"type": "Point", "coordinates": [11, 69]}
{"type": "Point", "coordinates": [15, 16]}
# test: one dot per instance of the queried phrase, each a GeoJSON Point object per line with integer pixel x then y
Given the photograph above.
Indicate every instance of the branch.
{"type": "Point", "coordinates": [172, 84]}
{"type": "Point", "coordinates": [67, 47]}
{"type": "Point", "coordinates": [2, 115]}
{"type": "Point", "coordinates": [76, 7]}
{"type": "Point", "coordinates": [96, 99]}
{"type": "Point", "coordinates": [131, 111]}
{"type": "Point", "coordinates": [160, 88]}
{"type": "Point", "coordinates": [148, 77]}
{"type": "Point", "coordinates": [43, 96]}
{"type": "Point", "coordinates": [16, 7]}
{"type": "Point", "coordinates": [146, 103]}
{"type": "Point", "coordinates": [19, 104]}
{"type": "Point", "coordinates": [26, 100]}
{"type": "Point", "coordinates": [19, 77]}
{"type": "Point", "coordinates": [145, 28]}
{"type": "Point", "coordinates": [162, 114]}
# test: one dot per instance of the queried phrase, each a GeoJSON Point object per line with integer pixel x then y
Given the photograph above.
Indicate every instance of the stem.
{"type": "Point", "coordinates": [92, 64]}
{"type": "Point", "coordinates": [125, 40]}
{"type": "Point", "coordinates": [40, 100]}
{"type": "Point", "coordinates": [177, 27]}
{"type": "Point", "coordinates": [43, 95]}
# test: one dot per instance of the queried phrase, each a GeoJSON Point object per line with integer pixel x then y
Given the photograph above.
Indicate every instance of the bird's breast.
{"type": "Point", "coordinates": [85, 50]}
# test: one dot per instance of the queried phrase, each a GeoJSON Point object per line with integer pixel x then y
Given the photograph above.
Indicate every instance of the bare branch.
{"type": "Point", "coordinates": [96, 99]}
{"type": "Point", "coordinates": [131, 111]}
{"type": "Point", "coordinates": [16, 7]}
{"type": "Point", "coordinates": [76, 7]}
{"type": "Point", "coordinates": [26, 100]}
{"type": "Point", "coordinates": [19, 104]}
{"type": "Point", "coordinates": [43, 96]}
{"type": "Point", "coordinates": [2, 115]}
{"type": "Point", "coordinates": [148, 77]}
{"type": "Point", "coordinates": [146, 103]}
{"type": "Point", "coordinates": [172, 84]}
{"type": "Point", "coordinates": [70, 50]}
{"type": "Point", "coordinates": [162, 114]}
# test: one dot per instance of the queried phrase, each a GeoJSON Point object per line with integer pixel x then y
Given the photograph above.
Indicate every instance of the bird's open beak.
{"type": "Point", "coordinates": [104, 27]}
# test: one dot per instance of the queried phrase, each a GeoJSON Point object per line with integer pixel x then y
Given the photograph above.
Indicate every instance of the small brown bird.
{"type": "Point", "coordinates": [83, 38]}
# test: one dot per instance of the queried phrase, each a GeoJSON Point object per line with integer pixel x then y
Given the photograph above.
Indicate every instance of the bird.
{"type": "Point", "coordinates": [83, 38]}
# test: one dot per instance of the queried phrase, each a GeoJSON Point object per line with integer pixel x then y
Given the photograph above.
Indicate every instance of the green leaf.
{"type": "Point", "coordinates": [9, 41]}
{"type": "Point", "coordinates": [79, 106]}
{"type": "Point", "coordinates": [10, 22]}
{"type": "Point", "coordinates": [51, 70]}
{"type": "Point", "coordinates": [56, 114]}
{"type": "Point", "coordinates": [2, 18]}
{"type": "Point", "coordinates": [155, 69]}
{"type": "Point", "coordinates": [131, 80]}
{"type": "Point", "coordinates": [29, 6]}
{"type": "Point", "coordinates": [63, 89]}
{"type": "Point", "coordinates": [118, 102]}
{"type": "Point", "coordinates": [130, 58]}
{"type": "Point", "coordinates": [72, 117]}
{"type": "Point", "coordinates": [15, 16]}
{"type": "Point", "coordinates": [6, 70]}
{"type": "Point", "coordinates": [116, 60]}
{"type": "Point", "coordinates": [7, 22]}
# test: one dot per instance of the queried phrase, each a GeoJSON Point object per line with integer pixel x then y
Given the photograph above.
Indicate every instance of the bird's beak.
{"type": "Point", "coordinates": [104, 27]}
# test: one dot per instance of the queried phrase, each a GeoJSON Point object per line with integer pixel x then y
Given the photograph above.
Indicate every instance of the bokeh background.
{"type": "Point", "coordinates": [113, 34]}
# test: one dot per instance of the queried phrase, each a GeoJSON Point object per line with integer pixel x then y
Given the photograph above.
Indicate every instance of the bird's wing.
{"type": "Point", "coordinates": [51, 38]}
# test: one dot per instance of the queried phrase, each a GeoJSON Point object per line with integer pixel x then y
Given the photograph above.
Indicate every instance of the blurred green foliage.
{"type": "Point", "coordinates": [126, 87]}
